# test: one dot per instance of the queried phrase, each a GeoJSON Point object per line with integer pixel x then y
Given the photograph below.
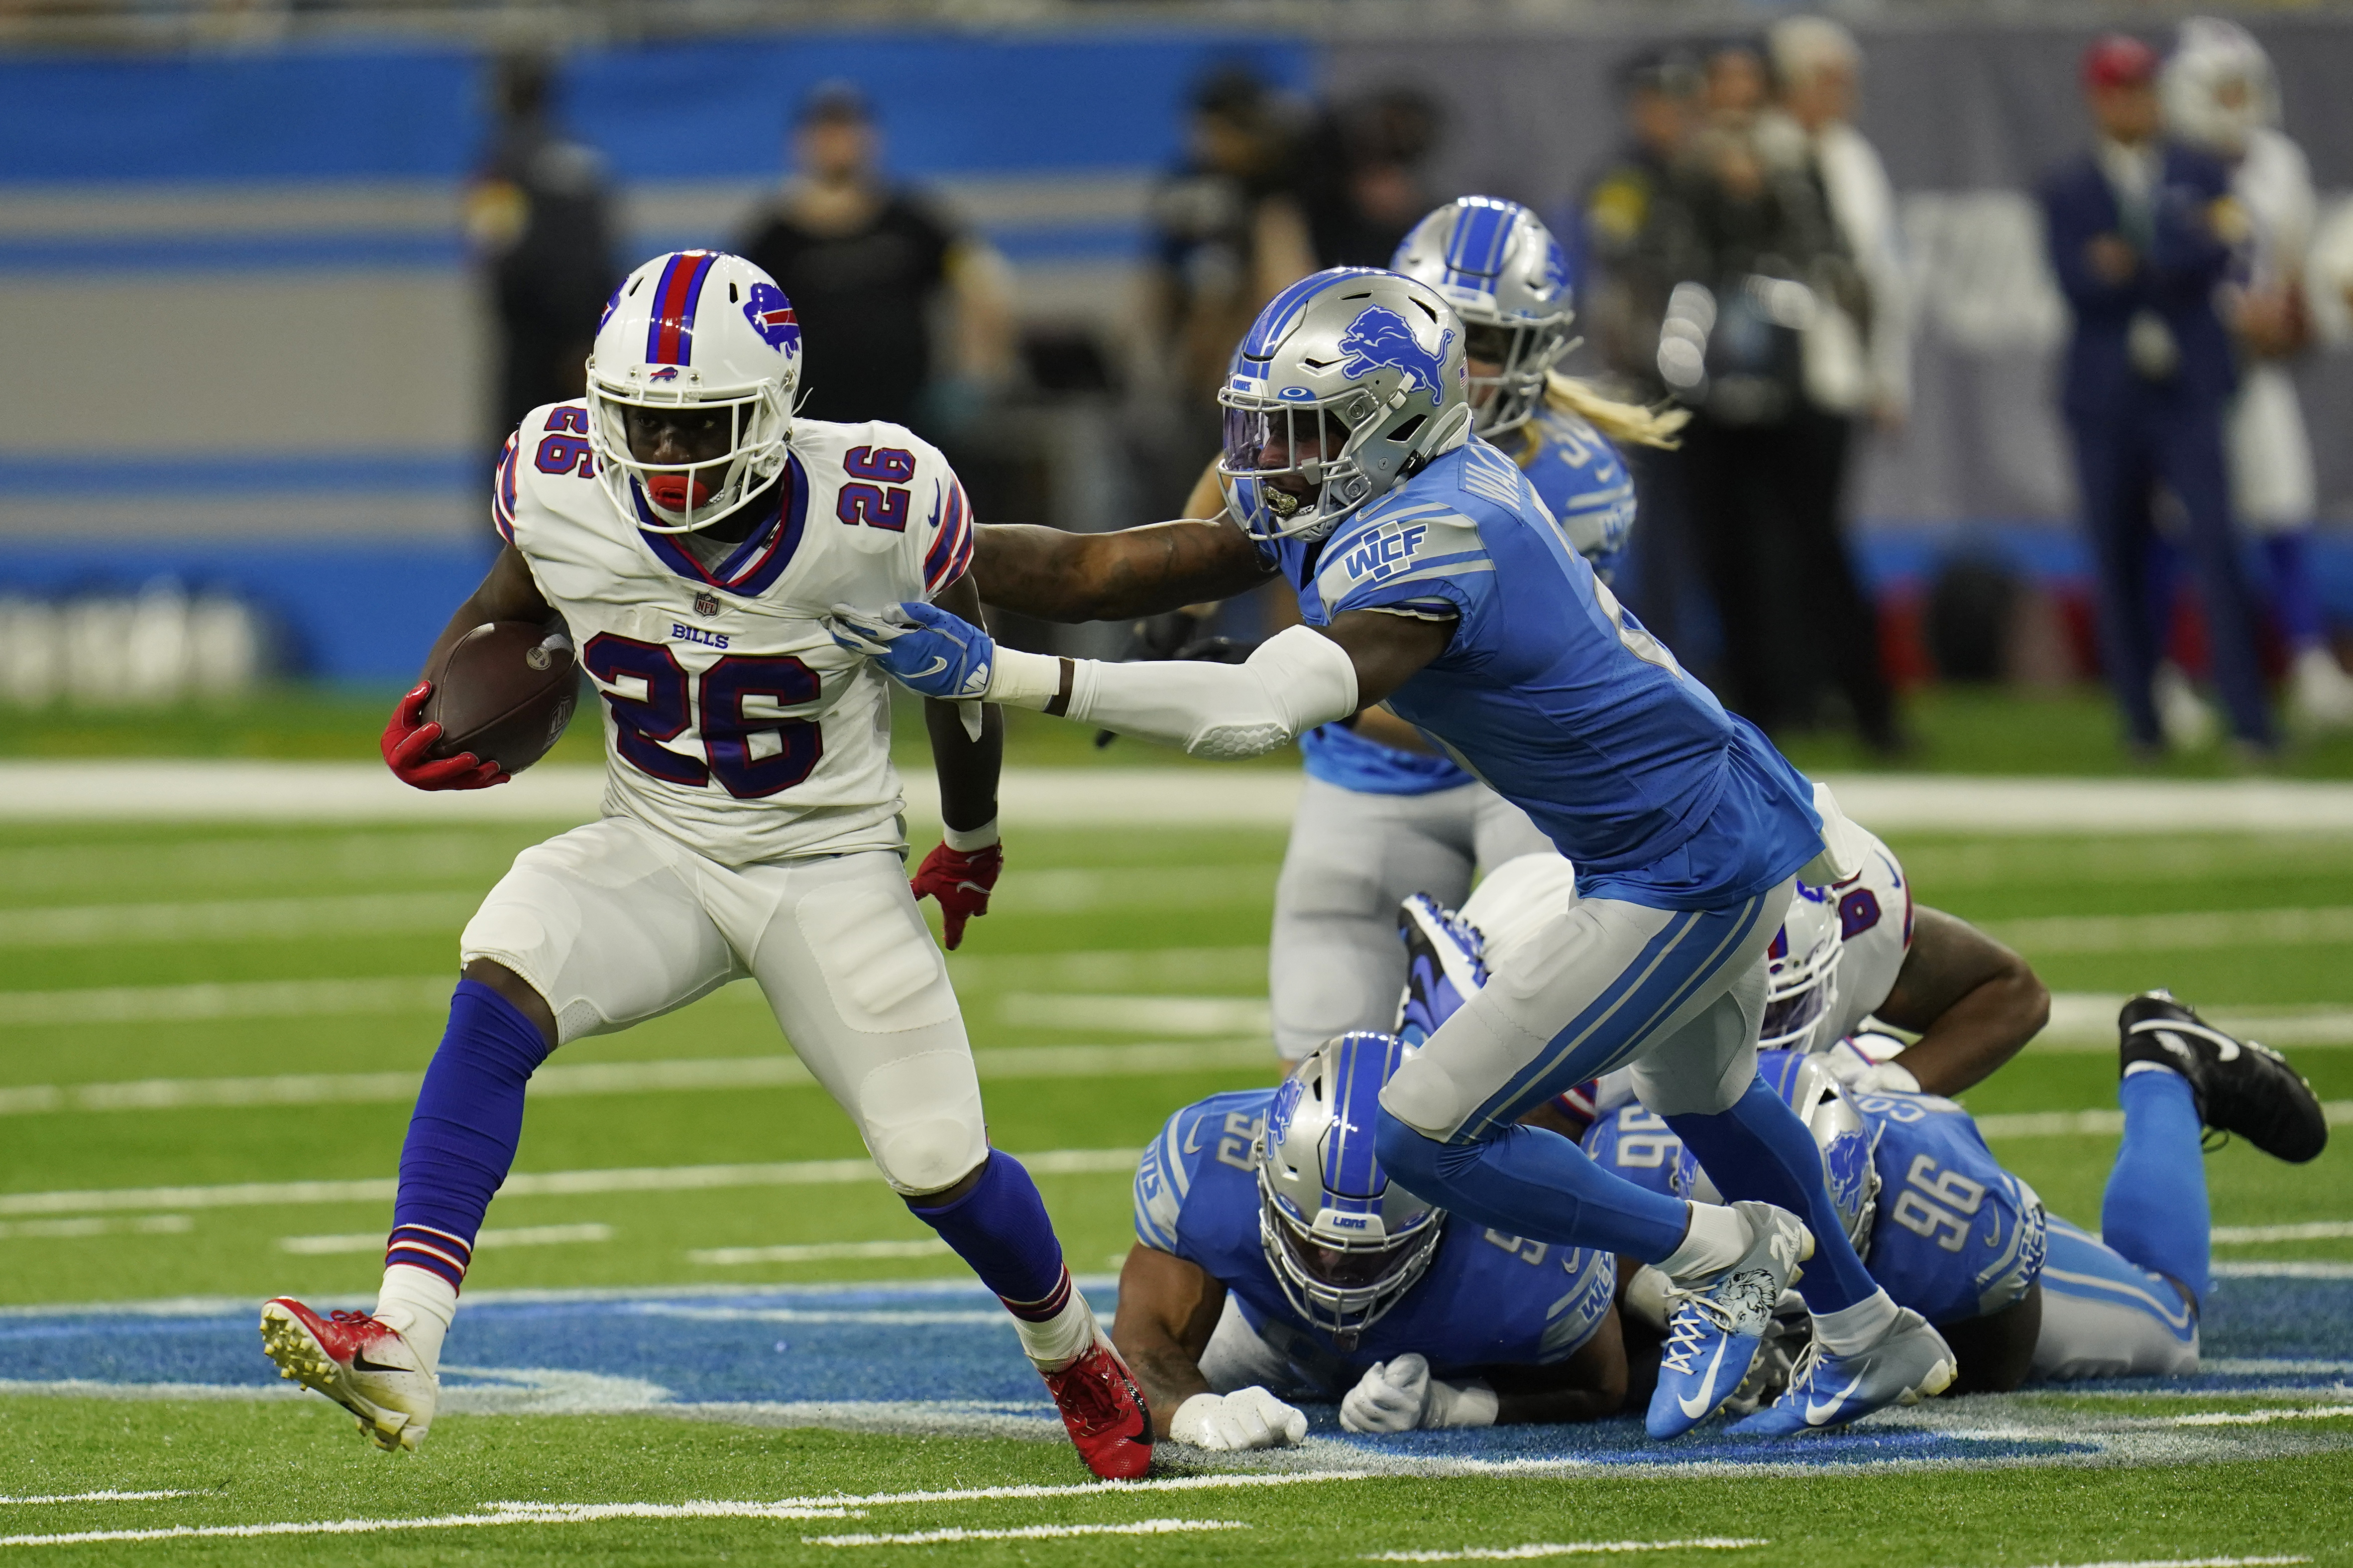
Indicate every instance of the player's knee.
{"type": "Point", "coordinates": [517, 993]}
{"type": "Point", "coordinates": [927, 1159]}
{"type": "Point", "coordinates": [1412, 1159]}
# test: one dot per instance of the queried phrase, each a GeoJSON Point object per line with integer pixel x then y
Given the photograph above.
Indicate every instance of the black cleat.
{"type": "Point", "coordinates": [2240, 1087]}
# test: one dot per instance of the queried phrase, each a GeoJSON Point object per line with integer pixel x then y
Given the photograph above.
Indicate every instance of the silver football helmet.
{"type": "Point", "coordinates": [1801, 968]}
{"type": "Point", "coordinates": [2219, 87]}
{"type": "Point", "coordinates": [1349, 381]}
{"type": "Point", "coordinates": [1504, 274]}
{"type": "Point", "coordinates": [1829, 1112]}
{"type": "Point", "coordinates": [1346, 1242]}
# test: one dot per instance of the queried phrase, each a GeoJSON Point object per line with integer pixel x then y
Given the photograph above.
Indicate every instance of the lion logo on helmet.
{"type": "Point", "coordinates": [1379, 336]}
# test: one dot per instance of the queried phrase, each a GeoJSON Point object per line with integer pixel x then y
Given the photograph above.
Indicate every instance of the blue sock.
{"type": "Point", "coordinates": [461, 1141]}
{"type": "Point", "coordinates": [2154, 1213]}
{"type": "Point", "coordinates": [1000, 1228]}
{"type": "Point", "coordinates": [1759, 1149]}
{"type": "Point", "coordinates": [2295, 599]}
{"type": "Point", "coordinates": [1527, 1181]}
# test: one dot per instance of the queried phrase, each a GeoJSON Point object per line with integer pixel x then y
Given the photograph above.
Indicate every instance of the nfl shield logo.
{"type": "Point", "coordinates": [706, 603]}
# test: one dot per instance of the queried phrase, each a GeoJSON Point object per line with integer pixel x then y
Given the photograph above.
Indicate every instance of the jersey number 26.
{"type": "Point", "coordinates": [642, 723]}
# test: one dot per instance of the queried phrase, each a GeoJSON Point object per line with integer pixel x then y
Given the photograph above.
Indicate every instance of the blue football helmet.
{"type": "Point", "coordinates": [1506, 276]}
{"type": "Point", "coordinates": [1345, 1243]}
{"type": "Point", "coordinates": [1823, 1103]}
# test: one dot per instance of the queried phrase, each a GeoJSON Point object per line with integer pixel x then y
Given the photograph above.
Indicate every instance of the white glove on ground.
{"type": "Point", "coordinates": [1400, 1395]}
{"type": "Point", "coordinates": [1246, 1418]}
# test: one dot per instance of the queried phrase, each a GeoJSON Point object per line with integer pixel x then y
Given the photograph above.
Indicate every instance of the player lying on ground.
{"type": "Point", "coordinates": [1951, 1234]}
{"type": "Point", "coordinates": [692, 536]}
{"type": "Point", "coordinates": [1276, 1260]}
{"type": "Point", "coordinates": [1429, 577]}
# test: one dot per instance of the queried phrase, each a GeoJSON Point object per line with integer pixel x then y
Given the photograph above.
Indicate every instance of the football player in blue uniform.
{"type": "Point", "coordinates": [1274, 1257]}
{"type": "Point", "coordinates": [1429, 577]}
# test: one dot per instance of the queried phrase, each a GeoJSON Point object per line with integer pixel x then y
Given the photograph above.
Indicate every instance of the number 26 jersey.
{"type": "Point", "coordinates": [733, 723]}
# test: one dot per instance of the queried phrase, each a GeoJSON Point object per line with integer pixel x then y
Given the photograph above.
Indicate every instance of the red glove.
{"type": "Point", "coordinates": [962, 881]}
{"type": "Point", "coordinates": [408, 738]}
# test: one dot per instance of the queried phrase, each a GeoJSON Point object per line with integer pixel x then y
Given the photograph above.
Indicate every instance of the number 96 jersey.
{"type": "Point", "coordinates": [732, 722]}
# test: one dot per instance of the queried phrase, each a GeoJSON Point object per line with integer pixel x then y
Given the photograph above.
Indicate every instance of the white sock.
{"type": "Point", "coordinates": [1714, 1243]}
{"type": "Point", "coordinates": [418, 1304]}
{"type": "Point", "coordinates": [1061, 1338]}
{"type": "Point", "coordinates": [1858, 1327]}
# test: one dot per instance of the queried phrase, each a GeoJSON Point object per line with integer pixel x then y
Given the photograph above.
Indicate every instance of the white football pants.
{"type": "Point", "coordinates": [1335, 963]}
{"type": "Point", "coordinates": [614, 923]}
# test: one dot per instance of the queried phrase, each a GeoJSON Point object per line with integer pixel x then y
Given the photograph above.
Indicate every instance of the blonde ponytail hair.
{"type": "Point", "coordinates": [1621, 422]}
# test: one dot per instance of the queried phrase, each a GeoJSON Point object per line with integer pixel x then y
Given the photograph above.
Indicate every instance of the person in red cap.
{"type": "Point", "coordinates": [2140, 233]}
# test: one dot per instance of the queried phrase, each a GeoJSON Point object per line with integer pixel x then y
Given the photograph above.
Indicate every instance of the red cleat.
{"type": "Point", "coordinates": [1105, 1412]}
{"type": "Point", "coordinates": [360, 1363]}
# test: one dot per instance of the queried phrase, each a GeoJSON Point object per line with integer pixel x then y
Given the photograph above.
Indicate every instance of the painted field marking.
{"type": "Point", "coordinates": [109, 1495]}
{"type": "Point", "coordinates": [921, 1315]}
{"type": "Point", "coordinates": [2110, 1123]}
{"type": "Point", "coordinates": [231, 999]}
{"type": "Point", "coordinates": [2184, 1563]}
{"type": "Point", "coordinates": [574, 1079]}
{"type": "Point", "coordinates": [2282, 1270]}
{"type": "Point", "coordinates": [64, 1229]}
{"type": "Point", "coordinates": [373, 858]}
{"type": "Point", "coordinates": [519, 1235]}
{"type": "Point", "coordinates": [2309, 1230]}
{"type": "Point", "coordinates": [539, 1184]}
{"type": "Point", "coordinates": [2085, 1021]}
{"type": "Point", "coordinates": [2187, 930]}
{"type": "Point", "coordinates": [1566, 1549]}
{"type": "Point", "coordinates": [818, 1252]}
{"type": "Point", "coordinates": [239, 919]}
{"type": "Point", "coordinates": [1027, 1532]}
{"type": "Point", "coordinates": [2256, 1418]}
{"type": "Point", "coordinates": [1139, 1015]}
{"type": "Point", "coordinates": [346, 1527]}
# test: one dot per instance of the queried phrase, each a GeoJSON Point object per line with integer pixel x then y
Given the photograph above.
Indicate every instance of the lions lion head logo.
{"type": "Point", "coordinates": [1379, 336]}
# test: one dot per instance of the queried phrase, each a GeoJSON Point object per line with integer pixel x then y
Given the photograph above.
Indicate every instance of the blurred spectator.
{"type": "Point", "coordinates": [1228, 231]}
{"type": "Point", "coordinates": [863, 263]}
{"type": "Point", "coordinates": [1767, 455]}
{"type": "Point", "coordinates": [540, 217]}
{"type": "Point", "coordinates": [2220, 96]}
{"type": "Point", "coordinates": [1365, 186]}
{"type": "Point", "coordinates": [2140, 233]}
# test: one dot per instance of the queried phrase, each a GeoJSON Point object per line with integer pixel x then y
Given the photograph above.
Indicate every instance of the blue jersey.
{"type": "Point", "coordinates": [1583, 482]}
{"type": "Point", "coordinates": [1556, 697]}
{"type": "Point", "coordinates": [1487, 1300]}
{"type": "Point", "coordinates": [1955, 1235]}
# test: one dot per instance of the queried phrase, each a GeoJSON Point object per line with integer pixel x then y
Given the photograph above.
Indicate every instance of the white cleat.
{"type": "Point", "coordinates": [2320, 694]}
{"type": "Point", "coordinates": [2184, 718]}
{"type": "Point", "coordinates": [360, 1363]}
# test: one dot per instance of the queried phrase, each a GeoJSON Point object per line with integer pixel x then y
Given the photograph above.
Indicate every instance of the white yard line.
{"type": "Point", "coordinates": [2110, 1123]}
{"type": "Point", "coordinates": [540, 1183]}
{"type": "Point", "coordinates": [517, 1236]}
{"type": "Point", "coordinates": [2282, 1270]}
{"type": "Point", "coordinates": [110, 1495]}
{"type": "Point", "coordinates": [1566, 1549]}
{"type": "Point", "coordinates": [1139, 1015]}
{"type": "Point", "coordinates": [1027, 1532]}
{"type": "Point", "coordinates": [560, 1080]}
{"type": "Point", "coordinates": [70, 1229]}
{"type": "Point", "coordinates": [235, 920]}
{"type": "Point", "coordinates": [345, 1527]}
{"type": "Point", "coordinates": [2084, 1021]}
{"type": "Point", "coordinates": [818, 1252]}
{"type": "Point", "coordinates": [2258, 1418]}
{"type": "Point", "coordinates": [2184, 1563]}
{"type": "Point", "coordinates": [2309, 1230]}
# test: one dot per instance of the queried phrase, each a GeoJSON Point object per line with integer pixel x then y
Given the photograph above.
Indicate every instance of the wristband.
{"type": "Point", "coordinates": [1028, 679]}
{"type": "Point", "coordinates": [963, 841]}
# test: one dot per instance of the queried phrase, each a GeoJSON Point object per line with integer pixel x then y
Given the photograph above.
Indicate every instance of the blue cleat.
{"type": "Point", "coordinates": [1909, 1362]}
{"type": "Point", "coordinates": [1713, 1328]}
{"type": "Point", "coordinates": [1445, 966]}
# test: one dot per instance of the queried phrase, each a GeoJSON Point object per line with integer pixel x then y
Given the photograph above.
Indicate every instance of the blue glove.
{"type": "Point", "coordinates": [920, 647]}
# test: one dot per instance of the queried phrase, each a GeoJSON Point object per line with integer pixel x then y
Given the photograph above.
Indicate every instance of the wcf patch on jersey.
{"type": "Point", "coordinates": [1384, 555]}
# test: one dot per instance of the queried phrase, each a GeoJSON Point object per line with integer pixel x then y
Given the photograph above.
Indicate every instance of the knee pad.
{"type": "Point", "coordinates": [1422, 1097]}
{"type": "Point", "coordinates": [920, 1118]}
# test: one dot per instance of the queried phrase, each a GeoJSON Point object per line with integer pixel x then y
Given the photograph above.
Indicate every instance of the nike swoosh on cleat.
{"type": "Point", "coordinates": [360, 1363]}
{"type": "Point", "coordinates": [1817, 1413]}
{"type": "Point", "coordinates": [1698, 1408]}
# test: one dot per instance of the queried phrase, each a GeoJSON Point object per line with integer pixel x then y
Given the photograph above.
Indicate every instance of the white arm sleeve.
{"type": "Point", "coordinates": [1297, 679]}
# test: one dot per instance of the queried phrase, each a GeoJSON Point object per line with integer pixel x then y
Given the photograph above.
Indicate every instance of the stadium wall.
{"type": "Point", "coordinates": [240, 281]}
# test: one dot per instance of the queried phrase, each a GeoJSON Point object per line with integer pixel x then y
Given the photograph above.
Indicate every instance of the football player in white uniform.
{"type": "Point", "coordinates": [691, 536]}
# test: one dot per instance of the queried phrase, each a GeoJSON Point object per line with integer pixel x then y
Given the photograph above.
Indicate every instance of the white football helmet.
{"type": "Point", "coordinates": [1801, 966]}
{"type": "Point", "coordinates": [2219, 88]}
{"type": "Point", "coordinates": [1503, 273]}
{"type": "Point", "coordinates": [1346, 1242]}
{"type": "Point", "coordinates": [1349, 381]}
{"type": "Point", "coordinates": [1829, 1112]}
{"type": "Point", "coordinates": [694, 329]}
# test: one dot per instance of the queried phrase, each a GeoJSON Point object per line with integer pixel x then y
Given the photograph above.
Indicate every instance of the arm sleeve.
{"type": "Point", "coordinates": [1297, 679]}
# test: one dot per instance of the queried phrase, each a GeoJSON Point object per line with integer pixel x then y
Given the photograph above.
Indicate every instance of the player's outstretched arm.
{"type": "Point", "coordinates": [1115, 577]}
{"type": "Point", "coordinates": [508, 594]}
{"type": "Point", "coordinates": [1168, 1307]}
{"type": "Point", "coordinates": [962, 872]}
{"type": "Point", "coordinates": [1295, 680]}
{"type": "Point", "coordinates": [1974, 1002]}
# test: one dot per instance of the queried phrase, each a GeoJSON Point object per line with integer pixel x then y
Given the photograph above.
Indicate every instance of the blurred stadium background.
{"type": "Point", "coordinates": [253, 357]}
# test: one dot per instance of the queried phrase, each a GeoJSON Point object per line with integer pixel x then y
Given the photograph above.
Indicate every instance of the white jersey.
{"type": "Point", "coordinates": [1874, 914]}
{"type": "Point", "coordinates": [733, 723]}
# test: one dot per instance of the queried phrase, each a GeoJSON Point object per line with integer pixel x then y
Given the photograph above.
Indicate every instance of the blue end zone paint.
{"type": "Point", "coordinates": [823, 1355]}
{"type": "Point", "coordinates": [358, 613]}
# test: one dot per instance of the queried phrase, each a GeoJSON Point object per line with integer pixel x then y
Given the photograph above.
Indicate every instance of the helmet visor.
{"type": "Point", "coordinates": [1792, 1018]}
{"type": "Point", "coordinates": [1278, 458]}
{"type": "Point", "coordinates": [1345, 1270]}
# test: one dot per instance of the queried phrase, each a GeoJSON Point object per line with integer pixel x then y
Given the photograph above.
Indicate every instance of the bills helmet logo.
{"type": "Point", "coordinates": [770, 315]}
{"type": "Point", "coordinates": [706, 603]}
{"type": "Point", "coordinates": [1379, 336]}
{"type": "Point", "coordinates": [666, 372]}
{"type": "Point", "coordinates": [611, 305]}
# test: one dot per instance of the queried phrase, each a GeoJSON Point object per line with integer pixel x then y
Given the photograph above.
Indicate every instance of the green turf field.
{"type": "Point", "coordinates": [170, 997]}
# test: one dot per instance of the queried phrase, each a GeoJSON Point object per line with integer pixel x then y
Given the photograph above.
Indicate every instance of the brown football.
{"type": "Point", "coordinates": [504, 693]}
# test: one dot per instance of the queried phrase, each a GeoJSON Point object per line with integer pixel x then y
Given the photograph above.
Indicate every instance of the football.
{"type": "Point", "coordinates": [504, 693]}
